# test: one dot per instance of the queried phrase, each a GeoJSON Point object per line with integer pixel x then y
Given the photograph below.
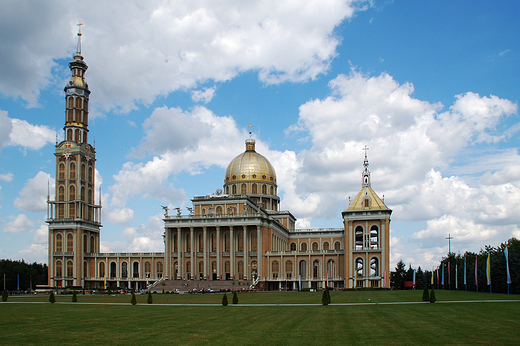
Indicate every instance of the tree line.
{"type": "Point", "coordinates": [19, 275]}
{"type": "Point", "coordinates": [453, 268]}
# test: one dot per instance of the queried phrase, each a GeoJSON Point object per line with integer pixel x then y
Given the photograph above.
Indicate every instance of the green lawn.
{"type": "Point", "coordinates": [80, 324]}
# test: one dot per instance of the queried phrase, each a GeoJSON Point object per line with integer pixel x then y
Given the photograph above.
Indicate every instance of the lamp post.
{"type": "Point", "coordinates": [449, 258]}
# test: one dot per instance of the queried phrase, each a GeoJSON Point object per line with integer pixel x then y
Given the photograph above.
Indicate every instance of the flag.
{"type": "Point", "coordinates": [488, 270]}
{"type": "Point", "coordinates": [300, 282]}
{"type": "Point", "coordinates": [432, 276]}
{"type": "Point", "coordinates": [442, 280]}
{"type": "Point", "coordinates": [413, 278]}
{"type": "Point", "coordinates": [449, 274]}
{"type": "Point", "coordinates": [465, 283]}
{"type": "Point", "coordinates": [105, 280]}
{"type": "Point", "coordinates": [327, 280]}
{"type": "Point", "coordinates": [384, 278]}
{"type": "Point", "coordinates": [438, 276]}
{"type": "Point", "coordinates": [507, 265]}
{"type": "Point", "coordinates": [355, 278]}
{"type": "Point", "coordinates": [476, 270]}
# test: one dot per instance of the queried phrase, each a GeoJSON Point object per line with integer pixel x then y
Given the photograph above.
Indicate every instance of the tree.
{"type": "Point", "coordinates": [224, 300]}
{"type": "Point", "coordinates": [134, 300]}
{"type": "Point", "coordinates": [397, 277]}
{"type": "Point", "coordinates": [74, 297]}
{"type": "Point", "coordinates": [235, 298]}
{"type": "Point", "coordinates": [432, 296]}
{"type": "Point", "coordinates": [52, 298]}
{"type": "Point", "coordinates": [5, 294]}
{"type": "Point", "coordinates": [150, 298]}
{"type": "Point", "coordinates": [425, 295]}
{"type": "Point", "coordinates": [325, 297]}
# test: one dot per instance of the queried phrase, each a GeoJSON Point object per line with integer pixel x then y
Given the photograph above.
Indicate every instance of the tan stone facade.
{"type": "Point", "coordinates": [238, 233]}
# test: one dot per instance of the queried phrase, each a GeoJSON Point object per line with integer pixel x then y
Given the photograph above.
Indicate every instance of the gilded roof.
{"type": "Point", "coordinates": [250, 166]}
{"type": "Point", "coordinates": [375, 202]}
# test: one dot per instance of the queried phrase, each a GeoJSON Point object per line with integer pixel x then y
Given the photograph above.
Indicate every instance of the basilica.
{"type": "Point", "coordinates": [236, 234]}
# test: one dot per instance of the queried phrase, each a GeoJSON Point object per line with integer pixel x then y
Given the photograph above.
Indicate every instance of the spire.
{"type": "Point", "coordinates": [366, 172]}
{"type": "Point", "coordinates": [250, 142]}
{"type": "Point", "coordinates": [78, 55]}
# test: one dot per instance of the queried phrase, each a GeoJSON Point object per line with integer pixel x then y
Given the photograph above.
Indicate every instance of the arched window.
{"type": "Point", "coordinates": [359, 267]}
{"type": "Point", "coordinates": [61, 171]}
{"type": "Point", "coordinates": [219, 210]}
{"type": "Point", "coordinates": [243, 189]}
{"type": "Point", "coordinates": [374, 266]}
{"type": "Point", "coordinates": [314, 246]}
{"type": "Point", "coordinates": [302, 269]}
{"type": "Point", "coordinates": [288, 269]}
{"type": "Point", "coordinates": [264, 189]}
{"type": "Point", "coordinates": [159, 267]}
{"type": "Point", "coordinates": [90, 174]}
{"type": "Point", "coordinates": [254, 242]}
{"type": "Point", "coordinates": [71, 102]}
{"type": "Point", "coordinates": [214, 242]}
{"type": "Point", "coordinates": [272, 190]}
{"type": "Point", "coordinates": [72, 170]}
{"type": "Point", "coordinates": [147, 269]}
{"type": "Point", "coordinates": [303, 246]}
{"type": "Point", "coordinates": [316, 269]}
{"type": "Point", "coordinates": [90, 198]}
{"type": "Point", "coordinates": [227, 190]}
{"type": "Point", "coordinates": [102, 269]}
{"type": "Point", "coordinates": [234, 189]}
{"type": "Point", "coordinates": [92, 244]}
{"type": "Point", "coordinates": [240, 269]}
{"type": "Point", "coordinates": [240, 241]}
{"type": "Point", "coordinates": [59, 268]}
{"type": "Point", "coordinates": [359, 238]}
{"type": "Point", "coordinates": [227, 270]}
{"type": "Point", "coordinates": [226, 242]}
{"type": "Point", "coordinates": [85, 269]}
{"type": "Point", "coordinates": [72, 193]}
{"type": "Point", "coordinates": [337, 245]}
{"type": "Point", "coordinates": [70, 269]}
{"type": "Point", "coordinates": [78, 102]}
{"type": "Point", "coordinates": [254, 188]}
{"type": "Point", "coordinates": [83, 172]}
{"type": "Point", "coordinates": [69, 131]}
{"type": "Point", "coordinates": [113, 269]}
{"type": "Point", "coordinates": [70, 242]}
{"type": "Point", "coordinates": [188, 242]}
{"type": "Point", "coordinates": [201, 269]}
{"type": "Point", "coordinates": [275, 269]}
{"type": "Point", "coordinates": [61, 193]}
{"type": "Point", "coordinates": [293, 246]}
{"type": "Point", "coordinates": [85, 243]}
{"type": "Point", "coordinates": [124, 270]}
{"type": "Point", "coordinates": [59, 243]}
{"type": "Point", "coordinates": [331, 268]}
{"type": "Point", "coordinates": [374, 237]}
{"type": "Point", "coordinates": [201, 242]}
{"type": "Point", "coordinates": [326, 245]}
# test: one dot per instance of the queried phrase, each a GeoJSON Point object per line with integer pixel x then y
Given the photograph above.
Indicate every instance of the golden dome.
{"type": "Point", "coordinates": [250, 166]}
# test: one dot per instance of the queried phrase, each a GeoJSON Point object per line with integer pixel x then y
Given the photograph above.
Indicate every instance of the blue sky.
{"type": "Point", "coordinates": [431, 87]}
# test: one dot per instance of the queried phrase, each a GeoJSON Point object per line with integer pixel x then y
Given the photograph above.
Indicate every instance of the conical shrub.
{"type": "Point", "coordinates": [74, 297]}
{"type": "Point", "coordinates": [150, 298]}
{"type": "Point", "coordinates": [5, 294]}
{"type": "Point", "coordinates": [224, 300]}
{"type": "Point", "coordinates": [52, 298]}
{"type": "Point", "coordinates": [235, 298]}
{"type": "Point", "coordinates": [432, 296]}
{"type": "Point", "coordinates": [425, 295]}
{"type": "Point", "coordinates": [134, 300]}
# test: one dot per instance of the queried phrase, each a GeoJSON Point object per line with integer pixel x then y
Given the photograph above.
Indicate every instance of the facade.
{"type": "Point", "coordinates": [237, 233]}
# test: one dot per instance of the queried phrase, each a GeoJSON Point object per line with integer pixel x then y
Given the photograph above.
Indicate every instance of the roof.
{"type": "Point", "coordinates": [375, 202]}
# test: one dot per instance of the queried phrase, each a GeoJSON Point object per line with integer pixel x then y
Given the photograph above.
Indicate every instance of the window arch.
{"type": "Point", "coordinates": [316, 269]}
{"type": "Point", "coordinates": [331, 268]}
{"type": "Point", "coordinates": [314, 246]}
{"type": "Point", "coordinates": [254, 242]}
{"type": "Point", "coordinates": [72, 193]}
{"type": "Point", "coordinates": [135, 269]}
{"type": "Point", "coordinates": [92, 244]}
{"type": "Point", "coordinates": [201, 269]}
{"type": "Point", "coordinates": [201, 242]}
{"type": "Point", "coordinates": [147, 269]}
{"type": "Point", "coordinates": [359, 238]}
{"type": "Point", "coordinates": [59, 243]}
{"type": "Point", "coordinates": [61, 193]}
{"type": "Point", "coordinates": [159, 267]}
{"type": "Point", "coordinates": [254, 188]}
{"type": "Point", "coordinates": [113, 269]}
{"type": "Point", "coordinates": [326, 245]}
{"type": "Point", "coordinates": [374, 237]}
{"type": "Point", "coordinates": [288, 269]}
{"type": "Point", "coordinates": [293, 246]}
{"type": "Point", "coordinates": [61, 171]}
{"type": "Point", "coordinates": [337, 245]}
{"type": "Point", "coordinates": [234, 188]}
{"type": "Point", "coordinates": [70, 242]}
{"type": "Point", "coordinates": [83, 171]}
{"type": "Point", "coordinates": [303, 246]}
{"type": "Point", "coordinates": [240, 241]}
{"type": "Point", "coordinates": [214, 242]}
{"type": "Point", "coordinates": [188, 242]}
{"type": "Point", "coordinates": [243, 189]}
{"type": "Point", "coordinates": [219, 210]}
{"type": "Point", "coordinates": [59, 268]}
{"type": "Point", "coordinates": [275, 269]}
{"type": "Point", "coordinates": [374, 266]}
{"type": "Point", "coordinates": [240, 270]}
{"type": "Point", "coordinates": [302, 269]}
{"type": "Point", "coordinates": [90, 174]}
{"type": "Point", "coordinates": [72, 170]}
{"type": "Point", "coordinates": [124, 270]}
{"type": "Point", "coordinates": [85, 243]}
{"type": "Point", "coordinates": [70, 268]}
{"type": "Point", "coordinates": [226, 242]}
{"type": "Point", "coordinates": [101, 269]}
{"type": "Point", "coordinates": [264, 189]}
{"type": "Point", "coordinates": [359, 267]}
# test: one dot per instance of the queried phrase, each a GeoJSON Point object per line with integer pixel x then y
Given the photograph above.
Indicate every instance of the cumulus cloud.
{"type": "Point", "coordinates": [6, 177]}
{"type": "Point", "coordinates": [205, 95]}
{"type": "Point", "coordinates": [16, 132]}
{"type": "Point", "coordinates": [121, 216]}
{"type": "Point", "coordinates": [159, 47]}
{"type": "Point", "coordinates": [6, 127]}
{"type": "Point", "coordinates": [19, 223]}
{"type": "Point", "coordinates": [33, 196]}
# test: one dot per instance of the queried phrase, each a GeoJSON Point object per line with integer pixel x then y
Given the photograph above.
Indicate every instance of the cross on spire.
{"type": "Point", "coordinates": [365, 149]}
{"type": "Point", "coordinates": [250, 127]}
{"type": "Point", "coordinates": [78, 50]}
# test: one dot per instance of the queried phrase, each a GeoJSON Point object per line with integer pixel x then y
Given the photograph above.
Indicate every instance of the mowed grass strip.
{"type": "Point", "coordinates": [79, 324]}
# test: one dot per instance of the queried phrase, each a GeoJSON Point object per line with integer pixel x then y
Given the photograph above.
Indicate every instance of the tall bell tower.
{"type": "Point", "coordinates": [73, 217]}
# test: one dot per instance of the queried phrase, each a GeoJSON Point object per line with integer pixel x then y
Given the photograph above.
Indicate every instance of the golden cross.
{"type": "Point", "coordinates": [79, 28]}
{"type": "Point", "coordinates": [365, 149]}
{"type": "Point", "coordinates": [250, 126]}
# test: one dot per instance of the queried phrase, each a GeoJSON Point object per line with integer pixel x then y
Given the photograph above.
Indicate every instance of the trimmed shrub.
{"type": "Point", "coordinates": [224, 300]}
{"type": "Point", "coordinates": [325, 297]}
{"type": "Point", "coordinates": [5, 294]}
{"type": "Point", "coordinates": [74, 297]}
{"type": "Point", "coordinates": [52, 298]}
{"type": "Point", "coordinates": [235, 298]}
{"type": "Point", "coordinates": [150, 298]}
{"type": "Point", "coordinates": [425, 295]}
{"type": "Point", "coordinates": [134, 300]}
{"type": "Point", "coordinates": [432, 296]}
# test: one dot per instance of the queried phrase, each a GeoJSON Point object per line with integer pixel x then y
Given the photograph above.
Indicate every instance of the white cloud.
{"type": "Point", "coordinates": [6, 127]}
{"type": "Point", "coordinates": [16, 132]}
{"type": "Point", "coordinates": [7, 177]}
{"type": "Point", "coordinates": [33, 196]}
{"type": "Point", "coordinates": [123, 216]}
{"type": "Point", "coordinates": [158, 47]}
{"type": "Point", "coordinates": [35, 253]}
{"type": "Point", "coordinates": [19, 224]}
{"type": "Point", "coordinates": [205, 95]}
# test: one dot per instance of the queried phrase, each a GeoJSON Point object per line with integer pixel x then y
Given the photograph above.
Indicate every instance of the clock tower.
{"type": "Point", "coordinates": [73, 217]}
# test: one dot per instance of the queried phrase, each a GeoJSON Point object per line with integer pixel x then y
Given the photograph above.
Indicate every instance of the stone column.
{"type": "Point", "coordinates": [205, 252]}
{"type": "Point", "coordinates": [219, 252]}
{"type": "Point", "coordinates": [232, 252]}
{"type": "Point", "coordinates": [246, 257]}
{"type": "Point", "coordinates": [192, 253]}
{"type": "Point", "coordinates": [167, 253]}
{"type": "Point", "coordinates": [259, 250]}
{"type": "Point", "coordinates": [180, 262]}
